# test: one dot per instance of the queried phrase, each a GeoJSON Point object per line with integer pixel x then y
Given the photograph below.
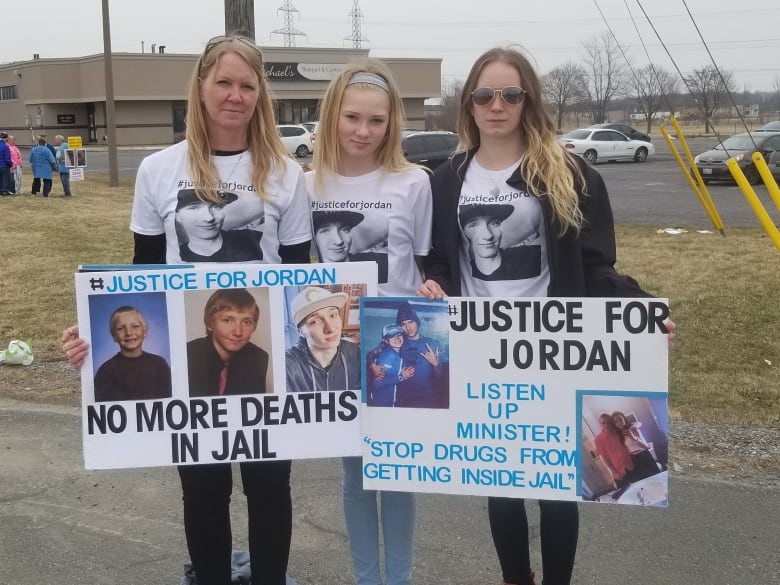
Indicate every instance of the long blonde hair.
{"type": "Point", "coordinates": [546, 168]}
{"type": "Point", "coordinates": [328, 151]}
{"type": "Point", "coordinates": [264, 144]}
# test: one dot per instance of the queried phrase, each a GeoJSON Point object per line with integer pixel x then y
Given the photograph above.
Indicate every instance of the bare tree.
{"type": "Point", "coordinates": [652, 88]}
{"type": "Point", "coordinates": [564, 87]}
{"type": "Point", "coordinates": [709, 91]}
{"type": "Point", "coordinates": [447, 116]}
{"type": "Point", "coordinates": [606, 74]}
{"type": "Point", "coordinates": [776, 93]}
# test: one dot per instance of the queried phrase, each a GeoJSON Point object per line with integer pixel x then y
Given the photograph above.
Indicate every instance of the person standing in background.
{"type": "Point", "coordinates": [5, 166]}
{"type": "Point", "coordinates": [42, 163]}
{"type": "Point", "coordinates": [62, 146]}
{"type": "Point", "coordinates": [16, 170]}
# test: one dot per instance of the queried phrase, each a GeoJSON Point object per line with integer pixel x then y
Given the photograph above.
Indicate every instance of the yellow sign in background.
{"type": "Point", "coordinates": [74, 142]}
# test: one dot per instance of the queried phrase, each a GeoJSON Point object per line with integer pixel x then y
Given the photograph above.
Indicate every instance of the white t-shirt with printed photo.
{"type": "Point", "coordinates": [503, 244]}
{"type": "Point", "coordinates": [379, 216]}
{"type": "Point", "coordinates": [244, 228]}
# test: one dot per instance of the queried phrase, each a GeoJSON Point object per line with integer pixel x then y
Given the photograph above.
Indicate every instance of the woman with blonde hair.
{"type": "Point", "coordinates": [359, 165]}
{"type": "Point", "coordinates": [232, 155]}
{"type": "Point", "coordinates": [564, 240]}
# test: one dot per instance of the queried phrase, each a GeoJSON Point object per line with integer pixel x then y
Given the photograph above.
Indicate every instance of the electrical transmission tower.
{"type": "Point", "coordinates": [357, 37]}
{"type": "Point", "coordinates": [289, 32]}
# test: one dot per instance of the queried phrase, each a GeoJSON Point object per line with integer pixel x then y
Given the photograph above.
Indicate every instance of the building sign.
{"type": "Point", "coordinates": [66, 118]}
{"type": "Point", "coordinates": [302, 71]}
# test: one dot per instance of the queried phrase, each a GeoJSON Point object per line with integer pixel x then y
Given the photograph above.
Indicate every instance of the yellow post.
{"type": "Point", "coordinates": [763, 217]}
{"type": "Point", "coordinates": [681, 137]}
{"type": "Point", "coordinates": [766, 175]}
{"type": "Point", "coordinates": [707, 204]}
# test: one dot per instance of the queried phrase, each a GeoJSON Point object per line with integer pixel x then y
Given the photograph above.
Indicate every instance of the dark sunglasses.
{"type": "Point", "coordinates": [511, 94]}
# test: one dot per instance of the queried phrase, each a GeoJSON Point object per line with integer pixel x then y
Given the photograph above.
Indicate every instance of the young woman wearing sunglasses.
{"type": "Point", "coordinates": [559, 231]}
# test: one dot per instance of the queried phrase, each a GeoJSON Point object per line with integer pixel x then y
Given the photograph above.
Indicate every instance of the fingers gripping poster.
{"type": "Point", "coordinates": [552, 398]}
{"type": "Point", "coordinates": [209, 364]}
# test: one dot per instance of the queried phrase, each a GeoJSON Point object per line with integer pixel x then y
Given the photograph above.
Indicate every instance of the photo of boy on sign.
{"type": "Point", "coordinates": [225, 361]}
{"type": "Point", "coordinates": [140, 369]}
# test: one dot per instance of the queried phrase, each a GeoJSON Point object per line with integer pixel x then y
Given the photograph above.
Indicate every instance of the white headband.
{"type": "Point", "coordinates": [370, 78]}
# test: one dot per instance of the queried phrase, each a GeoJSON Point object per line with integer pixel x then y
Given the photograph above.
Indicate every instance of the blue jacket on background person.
{"type": "Point", "coordinates": [42, 162]}
{"type": "Point", "coordinates": [63, 168]}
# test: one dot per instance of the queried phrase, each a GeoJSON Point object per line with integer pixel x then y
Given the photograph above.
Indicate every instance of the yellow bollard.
{"type": "Point", "coordinates": [763, 217]}
{"type": "Point", "coordinates": [766, 175]}
{"type": "Point", "coordinates": [706, 201]}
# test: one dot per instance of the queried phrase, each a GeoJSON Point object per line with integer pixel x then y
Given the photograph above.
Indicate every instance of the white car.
{"type": "Point", "coordinates": [602, 144]}
{"type": "Point", "coordinates": [296, 139]}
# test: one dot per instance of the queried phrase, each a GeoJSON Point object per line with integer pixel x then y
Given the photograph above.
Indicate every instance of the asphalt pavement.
{"type": "Point", "coordinates": [63, 525]}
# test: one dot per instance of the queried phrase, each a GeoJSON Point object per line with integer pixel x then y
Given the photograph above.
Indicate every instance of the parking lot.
{"type": "Point", "coordinates": [654, 193]}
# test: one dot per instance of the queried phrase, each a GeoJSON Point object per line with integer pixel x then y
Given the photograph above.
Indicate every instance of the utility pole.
{"type": "Point", "coordinates": [113, 165]}
{"type": "Point", "coordinates": [240, 18]}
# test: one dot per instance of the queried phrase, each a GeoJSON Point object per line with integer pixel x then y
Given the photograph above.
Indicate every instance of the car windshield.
{"type": "Point", "coordinates": [578, 134]}
{"type": "Point", "coordinates": [738, 142]}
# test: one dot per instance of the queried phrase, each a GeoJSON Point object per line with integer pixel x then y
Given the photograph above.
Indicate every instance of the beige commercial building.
{"type": "Point", "coordinates": [67, 96]}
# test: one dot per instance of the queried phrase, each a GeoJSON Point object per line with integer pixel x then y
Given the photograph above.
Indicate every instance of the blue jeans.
{"type": "Point", "coordinates": [65, 178]}
{"type": "Point", "coordinates": [362, 518]}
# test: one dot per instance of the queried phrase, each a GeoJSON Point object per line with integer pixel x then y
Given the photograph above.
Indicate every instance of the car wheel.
{"type": "Point", "coordinates": [301, 151]}
{"type": "Point", "coordinates": [590, 156]}
{"type": "Point", "coordinates": [640, 155]}
{"type": "Point", "coordinates": [752, 175]}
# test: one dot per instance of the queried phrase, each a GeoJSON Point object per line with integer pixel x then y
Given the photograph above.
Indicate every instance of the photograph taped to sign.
{"type": "Point", "coordinates": [190, 365]}
{"type": "Point", "coordinates": [558, 399]}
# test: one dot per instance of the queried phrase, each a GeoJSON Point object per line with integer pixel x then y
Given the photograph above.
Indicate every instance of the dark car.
{"type": "Point", "coordinates": [429, 149]}
{"type": "Point", "coordinates": [632, 133]}
{"type": "Point", "coordinates": [712, 164]}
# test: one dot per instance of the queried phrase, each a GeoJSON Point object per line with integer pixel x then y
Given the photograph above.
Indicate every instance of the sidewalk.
{"type": "Point", "coordinates": [63, 525]}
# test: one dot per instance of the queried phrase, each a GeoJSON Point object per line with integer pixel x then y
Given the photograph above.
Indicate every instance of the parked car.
{"type": "Point", "coordinates": [595, 144]}
{"type": "Point", "coordinates": [429, 149]}
{"type": "Point", "coordinates": [296, 139]}
{"type": "Point", "coordinates": [629, 131]}
{"type": "Point", "coordinates": [712, 163]}
{"type": "Point", "coordinates": [770, 127]}
{"type": "Point", "coordinates": [312, 128]}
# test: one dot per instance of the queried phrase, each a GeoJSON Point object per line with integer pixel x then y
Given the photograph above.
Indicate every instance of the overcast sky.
{"type": "Point", "coordinates": [743, 36]}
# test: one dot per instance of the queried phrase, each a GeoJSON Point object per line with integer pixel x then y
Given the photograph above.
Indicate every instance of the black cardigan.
{"type": "Point", "coordinates": [581, 264]}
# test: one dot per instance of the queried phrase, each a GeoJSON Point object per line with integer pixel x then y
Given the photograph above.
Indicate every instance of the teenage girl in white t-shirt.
{"type": "Point", "coordinates": [369, 203]}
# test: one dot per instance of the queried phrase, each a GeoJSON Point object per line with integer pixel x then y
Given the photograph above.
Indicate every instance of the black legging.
{"type": "Point", "coordinates": [36, 186]}
{"type": "Point", "coordinates": [206, 494]}
{"type": "Point", "coordinates": [559, 527]}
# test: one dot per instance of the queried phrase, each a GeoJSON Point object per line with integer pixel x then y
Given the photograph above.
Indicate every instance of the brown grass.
{"type": "Point", "coordinates": [723, 291]}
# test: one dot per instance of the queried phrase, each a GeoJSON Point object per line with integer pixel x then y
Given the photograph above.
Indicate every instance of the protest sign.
{"type": "Point", "coordinates": [544, 398]}
{"type": "Point", "coordinates": [193, 365]}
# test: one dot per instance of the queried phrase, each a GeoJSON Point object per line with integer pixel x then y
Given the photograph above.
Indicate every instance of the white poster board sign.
{"type": "Point", "coordinates": [192, 365]}
{"type": "Point", "coordinates": [560, 399]}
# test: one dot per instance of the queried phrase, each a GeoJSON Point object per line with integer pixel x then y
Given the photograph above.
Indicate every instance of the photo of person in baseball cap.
{"type": "Point", "coordinates": [199, 227]}
{"type": "Point", "coordinates": [333, 233]}
{"type": "Point", "coordinates": [334, 239]}
{"type": "Point", "coordinates": [321, 359]}
{"type": "Point", "coordinates": [482, 227]}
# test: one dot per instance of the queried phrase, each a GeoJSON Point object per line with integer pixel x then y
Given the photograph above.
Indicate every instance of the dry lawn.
{"type": "Point", "coordinates": [723, 294]}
